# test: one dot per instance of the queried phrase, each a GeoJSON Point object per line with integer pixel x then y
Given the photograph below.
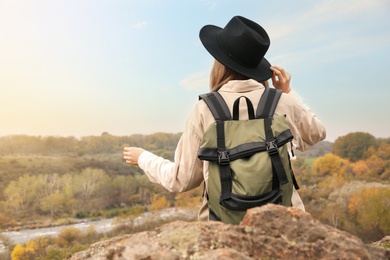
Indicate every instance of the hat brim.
{"type": "Point", "coordinates": [208, 36]}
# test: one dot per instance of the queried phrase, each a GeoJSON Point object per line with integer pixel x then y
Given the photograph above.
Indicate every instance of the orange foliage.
{"type": "Point", "coordinates": [383, 151]}
{"type": "Point", "coordinates": [360, 168]}
{"type": "Point", "coordinates": [354, 203]}
{"type": "Point", "coordinates": [376, 166]}
{"type": "Point", "coordinates": [30, 250]}
{"type": "Point", "coordinates": [328, 164]}
{"type": "Point", "coordinates": [159, 202]}
{"type": "Point", "coordinates": [189, 199]}
{"type": "Point", "coordinates": [332, 182]}
{"type": "Point", "coordinates": [371, 208]}
{"type": "Point", "coordinates": [19, 252]}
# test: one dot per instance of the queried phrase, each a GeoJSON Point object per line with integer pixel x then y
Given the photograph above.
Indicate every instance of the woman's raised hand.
{"type": "Point", "coordinates": [281, 79]}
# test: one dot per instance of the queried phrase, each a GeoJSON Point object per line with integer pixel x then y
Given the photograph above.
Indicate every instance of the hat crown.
{"type": "Point", "coordinates": [244, 41]}
{"type": "Point", "coordinates": [240, 46]}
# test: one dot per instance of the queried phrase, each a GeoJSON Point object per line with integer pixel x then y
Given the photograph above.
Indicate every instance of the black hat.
{"type": "Point", "coordinates": [240, 46]}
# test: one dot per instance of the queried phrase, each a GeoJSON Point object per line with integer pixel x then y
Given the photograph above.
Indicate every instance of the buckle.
{"type": "Point", "coordinates": [272, 147]}
{"type": "Point", "coordinates": [223, 158]}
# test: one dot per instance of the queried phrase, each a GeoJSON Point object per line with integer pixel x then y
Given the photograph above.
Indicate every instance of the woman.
{"type": "Point", "coordinates": [239, 69]}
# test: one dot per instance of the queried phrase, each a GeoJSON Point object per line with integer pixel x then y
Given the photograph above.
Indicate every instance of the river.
{"type": "Point", "coordinates": [22, 236]}
{"type": "Point", "coordinates": [101, 226]}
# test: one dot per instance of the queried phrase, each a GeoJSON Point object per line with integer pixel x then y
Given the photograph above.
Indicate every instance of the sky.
{"type": "Point", "coordinates": [84, 67]}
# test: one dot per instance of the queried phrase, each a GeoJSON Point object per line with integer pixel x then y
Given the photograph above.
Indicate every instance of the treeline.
{"type": "Point", "coordinates": [88, 145]}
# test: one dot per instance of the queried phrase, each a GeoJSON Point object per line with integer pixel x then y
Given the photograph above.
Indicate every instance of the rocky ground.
{"type": "Point", "coordinates": [268, 232]}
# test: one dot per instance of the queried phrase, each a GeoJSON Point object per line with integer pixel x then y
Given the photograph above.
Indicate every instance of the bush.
{"type": "Point", "coordinates": [68, 236]}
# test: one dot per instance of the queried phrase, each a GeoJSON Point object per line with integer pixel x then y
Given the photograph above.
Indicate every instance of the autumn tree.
{"type": "Point", "coordinates": [328, 164]}
{"type": "Point", "coordinates": [354, 146]}
{"type": "Point", "coordinates": [30, 250]}
{"type": "Point", "coordinates": [144, 188]}
{"type": "Point", "coordinates": [21, 195]}
{"type": "Point", "coordinates": [52, 203]}
{"type": "Point", "coordinates": [383, 150]}
{"type": "Point", "coordinates": [333, 214]}
{"type": "Point", "coordinates": [370, 208]}
{"type": "Point", "coordinates": [329, 184]}
{"type": "Point", "coordinates": [122, 189]}
{"type": "Point", "coordinates": [19, 253]}
{"type": "Point", "coordinates": [360, 168]}
{"type": "Point", "coordinates": [159, 202]}
{"type": "Point", "coordinates": [86, 185]}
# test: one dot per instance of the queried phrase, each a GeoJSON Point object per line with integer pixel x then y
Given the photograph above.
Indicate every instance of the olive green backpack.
{"type": "Point", "coordinates": [249, 164]}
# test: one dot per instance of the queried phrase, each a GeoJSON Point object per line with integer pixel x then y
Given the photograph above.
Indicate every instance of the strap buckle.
{"type": "Point", "coordinates": [223, 157]}
{"type": "Point", "coordinates": [272, 147]}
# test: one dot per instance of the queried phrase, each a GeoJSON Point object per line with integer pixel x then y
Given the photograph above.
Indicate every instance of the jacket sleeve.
{"type": "Point", "coordinates": [186, 171]}
{"type": "Point", "coordinates": [304, 124]}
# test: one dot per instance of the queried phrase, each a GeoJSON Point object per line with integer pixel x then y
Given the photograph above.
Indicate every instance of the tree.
{"type": "Point", "coordinates": [87, 186]}
{"type": "Point", "coordinates": [329, 184]}
{"type": "Point", "coordinates": [31, 249]}
{"type": "Point", "coordinates": [333, 213]}
{"type": "Point", "coordinates": [371, 210]}
{"type": "Point", "coordinates": [354, 146]}
{"type": "Point", "coordinates": [121, 188]}
{"type": "Point", "coordinates": [383, 151]}
{"type": "Point", "coordinates": [21, 195]}
{"type": "Point", "coordinates": [360, 168]}
{"type": "Point", "coordinates": [328, 164]}
{"type": "Point", "coordinates": [53, 203]}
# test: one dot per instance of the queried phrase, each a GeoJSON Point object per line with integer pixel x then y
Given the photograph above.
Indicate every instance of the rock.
{"type": "Point", "coordinates": [268, 232]}
{"type": "Point", "coordinates": [384, 242]}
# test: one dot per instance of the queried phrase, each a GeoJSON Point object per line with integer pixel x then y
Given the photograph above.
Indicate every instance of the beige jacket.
{"type": "Point", "coordinates": [188, 172]}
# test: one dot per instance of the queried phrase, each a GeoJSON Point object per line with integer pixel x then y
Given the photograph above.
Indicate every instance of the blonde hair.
{"type": "Point", "coordinates": [220, 75]}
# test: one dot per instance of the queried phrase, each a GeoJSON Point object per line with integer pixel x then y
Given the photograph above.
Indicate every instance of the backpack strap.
{"type": "Point", "coordinates": [221, 112]}
{"type": "Point", "coordinates": [268, 102]}
{"type": "Point", "coordinates": [265, 109]}
{"type": "Point", "coordinates": [217, 105]}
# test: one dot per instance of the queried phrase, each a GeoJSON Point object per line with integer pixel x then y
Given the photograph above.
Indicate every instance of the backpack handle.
{"type": "Point", "coordinates": [236, 108]}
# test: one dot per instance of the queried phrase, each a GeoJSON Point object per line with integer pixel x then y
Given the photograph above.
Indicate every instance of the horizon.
{"type": "Point", "coordinates": [71, 68]}
{"type": "Point", "coordinates": [135, 134]}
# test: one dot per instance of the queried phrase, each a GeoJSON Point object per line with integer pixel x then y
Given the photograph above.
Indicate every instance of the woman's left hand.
{"type": "Point", "coordinates": [281, 79]}
{"type": "Point", "coordinates": [131, 155]}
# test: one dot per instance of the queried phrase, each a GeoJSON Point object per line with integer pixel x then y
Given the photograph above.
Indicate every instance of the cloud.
{"type": "Point", "coordinates": [332, 52]}
{"type": "Point", "coordinates": [196, 81]}
{"type": "Point", "coordinates": [329, 27]}
{"type": "Point", "coordinates": [210, 5]}
{"type": "Point", "coordinates": [140, 25]}
{"type": "Point", "coordinates": [324, 13]}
